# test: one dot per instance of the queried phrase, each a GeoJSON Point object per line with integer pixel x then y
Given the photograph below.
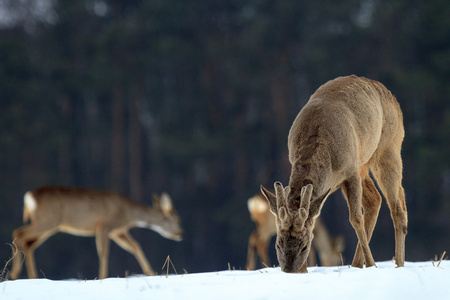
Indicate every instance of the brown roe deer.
{"type": "Point", "coordinates": [350, 126]}
{"type": "Point", "coordinates": [87, 212]}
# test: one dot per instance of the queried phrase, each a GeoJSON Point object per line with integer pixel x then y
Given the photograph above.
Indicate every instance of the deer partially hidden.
{"type": "Point", "coordinates": [87, 212]}
{"type": "Point", "coordinates": [328, 248]}
{"type": "Point", "coordinates": [349, 126]}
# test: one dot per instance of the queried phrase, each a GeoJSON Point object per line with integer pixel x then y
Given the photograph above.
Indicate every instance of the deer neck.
{"type": "Point", "coordinates": [144, 216]}
{"type": "Point", "coordinates": [315, 170]}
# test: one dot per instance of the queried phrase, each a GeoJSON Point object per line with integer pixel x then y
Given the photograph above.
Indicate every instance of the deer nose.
{"type": "Point", "coordinates": [178, 236]}
{"type": "Point", "coordinates": [288, 270]}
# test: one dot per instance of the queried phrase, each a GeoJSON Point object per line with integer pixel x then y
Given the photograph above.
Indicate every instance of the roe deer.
{"type": "Point", "coordinates": [349, 126]}
{"type": "Point", "coordinates": [87, 212]}
{"type": "Point", "coordinates": [328, 248]}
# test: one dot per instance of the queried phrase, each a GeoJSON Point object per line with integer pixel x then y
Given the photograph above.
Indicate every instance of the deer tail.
{"type": "Point", "coordinates": [29, 206]}
{"type": "Point", "coordinates": [257, 205]}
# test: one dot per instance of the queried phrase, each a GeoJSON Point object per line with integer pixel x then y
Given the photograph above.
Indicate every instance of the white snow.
{"type": "Point", "coordinates": [417, 280]}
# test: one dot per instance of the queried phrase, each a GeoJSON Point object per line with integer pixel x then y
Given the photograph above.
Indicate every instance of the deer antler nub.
{"type": "Point", "coordinates": [283, 213]}
{"type": "Point", "coordinates": [303, 211]}
{"type": "Point", "coordinates": [305, 193]}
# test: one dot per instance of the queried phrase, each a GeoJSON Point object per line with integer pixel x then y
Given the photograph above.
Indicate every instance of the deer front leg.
{"type": "Point", "coordinates": [128, 243]}
{"type": "Point", "coordinates": [353, 192]}
{"type": "Point", "coordinates": [102, 243]}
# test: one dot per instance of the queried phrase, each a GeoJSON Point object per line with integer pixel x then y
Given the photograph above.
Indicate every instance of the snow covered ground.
{"type": "Point", "coordinates": [418, 280]}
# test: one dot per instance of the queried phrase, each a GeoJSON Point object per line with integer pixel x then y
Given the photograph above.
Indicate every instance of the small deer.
{"type": "Point", "coordinates": [350, 126]}
{"type": "Point", "coordinates": [328, 248]}
{"type": "Point", "coordinates": [87, 212]}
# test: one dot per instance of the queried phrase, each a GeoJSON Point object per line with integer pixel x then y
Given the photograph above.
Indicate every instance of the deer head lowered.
{"type": "Point", "coordinates": [350, 126]}
{"type": "Point", "coordinates": [293, 237]}
{"type": "Point", "coordinates": [328, 248]}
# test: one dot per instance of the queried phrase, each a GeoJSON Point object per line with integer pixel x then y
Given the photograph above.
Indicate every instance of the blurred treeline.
{"type": "Point", "coordinates": [196, 98]}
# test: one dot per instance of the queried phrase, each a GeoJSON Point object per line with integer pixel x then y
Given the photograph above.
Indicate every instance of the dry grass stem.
{"type": "Point", "coordinates": [442, 256]}
{"type": "Point", "coordinates": [15, 251]}
{"type": "Point", "coordinates": [436, 259]}
{"type": "Point", "coordinates": [167, 264]}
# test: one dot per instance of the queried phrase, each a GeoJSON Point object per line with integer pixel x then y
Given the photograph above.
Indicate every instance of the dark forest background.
{"type": "Point", "coordinates": [196, 98]}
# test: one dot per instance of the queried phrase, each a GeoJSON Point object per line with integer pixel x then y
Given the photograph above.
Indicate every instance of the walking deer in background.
{"type": "Point", "coordinates": [350, 126]}
{"type": "Point", "coordinates": [87, 212]}
{"type": "Point", "coordinates": [328, 248]}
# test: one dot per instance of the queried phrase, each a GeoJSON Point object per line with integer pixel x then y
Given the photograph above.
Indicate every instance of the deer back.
{"type": "Point", "coordinates": [75, 210]}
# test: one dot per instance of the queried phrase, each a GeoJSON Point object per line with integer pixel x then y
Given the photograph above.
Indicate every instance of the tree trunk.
{"type": "Point", "coordinates": [118, 140]}
{"type": "Point", "coordinates": [135, 150]}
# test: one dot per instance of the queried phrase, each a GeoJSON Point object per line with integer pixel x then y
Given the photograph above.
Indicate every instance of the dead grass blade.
{"type": "Point", "coordinates": [436, 259]}
{"type": "Point", "coordinates": [167, 264]}
{"type": "Point", "coordinates": [15, 251]}
{"type": "Point", "coordinates": [442, 256]}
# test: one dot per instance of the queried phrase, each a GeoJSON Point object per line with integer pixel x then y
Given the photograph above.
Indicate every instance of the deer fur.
{"type": "Point", "coordinates": [350, 126]}
{"type": "Point", "coordinates": [328, 248]}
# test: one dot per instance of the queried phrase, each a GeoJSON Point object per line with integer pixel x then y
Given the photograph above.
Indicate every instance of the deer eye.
{"type": "Point", "coordinates": [304, 249]}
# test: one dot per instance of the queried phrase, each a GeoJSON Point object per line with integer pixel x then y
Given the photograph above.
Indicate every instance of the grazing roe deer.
{"type": "Point", "coordinates": [328, 248]}
{"type": "Point", "coordinates": [349, 126]}
{"type": "Point", "coordinates": [87, 212]}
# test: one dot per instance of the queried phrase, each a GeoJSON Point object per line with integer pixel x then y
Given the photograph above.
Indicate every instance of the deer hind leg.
{"type": "Point", "coordinates": [124, 240]}
{"type": "Point", "coordinates": [312, 256]}
{"type": "Point", "coordinates": [262, 248]}
{"type": "Point", "coordinates": [388, 173]}
{"type": "Point", "coordinates": [251, 250]}
{"type": "Point", "coordinates": [352, 189]}
{"type": "Point", "coordinates": [256, 245]}
{"type": "Point", "coordinates": [27, 239]}
{"type": "Point", "coordinates": [371, 202]}
{"type": "Point", "coordinates": [17, 255]}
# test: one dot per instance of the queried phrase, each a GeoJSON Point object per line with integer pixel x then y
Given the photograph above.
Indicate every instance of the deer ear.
{"type": "Point", "coordinates": [156, 202]}
{"type": "Point", "coordinates": [271, 198]}
{"type": "Point", "coordinates": [166, 204]}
